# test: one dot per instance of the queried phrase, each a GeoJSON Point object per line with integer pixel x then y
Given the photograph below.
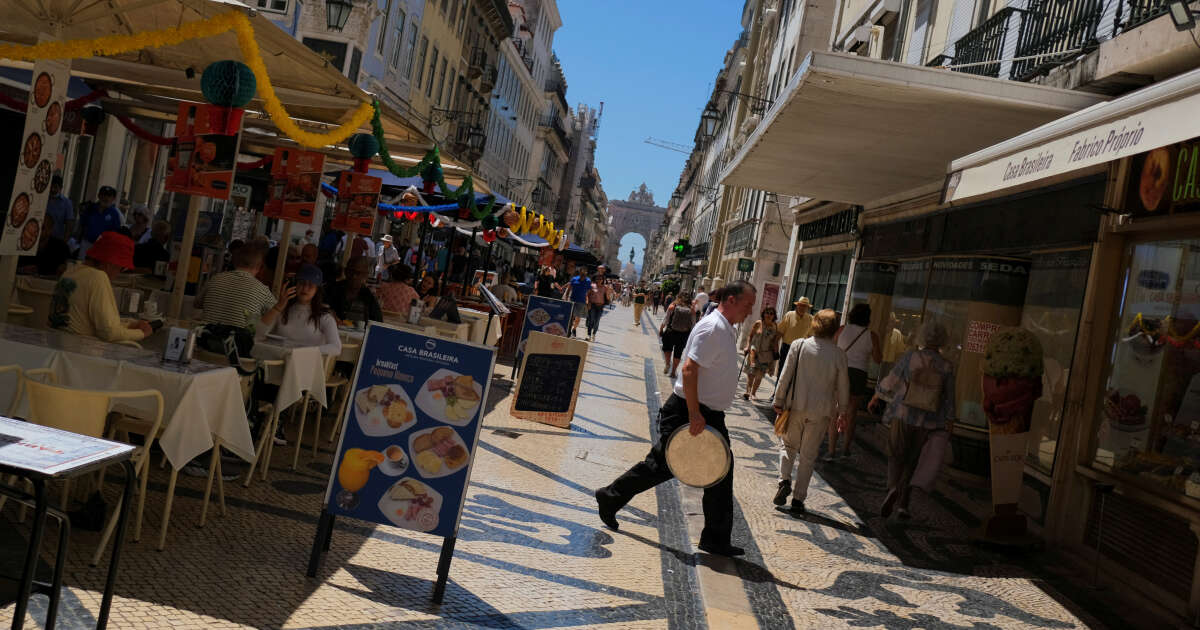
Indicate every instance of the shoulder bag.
{"type": "Point", "coordinates": [781, 420]}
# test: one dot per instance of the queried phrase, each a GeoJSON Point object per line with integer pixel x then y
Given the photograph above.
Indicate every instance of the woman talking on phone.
{"type": "Point", "coordinates": [301, 315]}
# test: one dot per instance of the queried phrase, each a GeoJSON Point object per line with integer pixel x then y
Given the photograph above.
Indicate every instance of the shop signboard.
{"type": "Point", "coordinates": [295, 185]}
{"type": "Point", "coordinates": [204, 156]}
{"type": "Point", "coordinates": [357, 202]}
{"type": "Point", "coordinates": [408, 436]}
{"type": "Point", "coordinates": [745, 265]}
{"type": "Point", "coordinates": [770, 297]}
{"type": "Point", "coordinates": [551, 371]}
{"type": "Point", "coordinates": [546, 315]}
{"type": "Point", "coordinates": [38, 157]}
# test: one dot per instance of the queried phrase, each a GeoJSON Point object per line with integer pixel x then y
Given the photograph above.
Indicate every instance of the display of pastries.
{"type": "Point", "coordinates": [43, 89]}
{"type": "Point", "coordinates": [19, 210]}
{"type": "Point", "coordinates": [32, 151]}
{"type": "Point", "coordinates": [29, 235]}
{"type": "Point", "coordinates": [53, 119]}
{"type": "Point", "coordinates": [41, 176]}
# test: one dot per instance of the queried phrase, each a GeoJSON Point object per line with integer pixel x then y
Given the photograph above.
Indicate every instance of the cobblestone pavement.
{"type": "Point", "coordinates": [532, 553]}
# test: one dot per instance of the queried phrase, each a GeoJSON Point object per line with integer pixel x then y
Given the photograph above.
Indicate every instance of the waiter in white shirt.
{"type": "Point", "coordinates": [703, 391]}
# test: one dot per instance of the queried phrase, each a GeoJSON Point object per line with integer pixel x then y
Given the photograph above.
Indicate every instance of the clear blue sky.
{"type": "Point", "coordinates": [652, 63]}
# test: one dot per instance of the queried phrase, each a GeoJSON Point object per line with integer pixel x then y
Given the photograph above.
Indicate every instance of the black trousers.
{"type": "Point", "coordinates": [593, 317]}
{"type": "Point", "coordinates": [718, 500]}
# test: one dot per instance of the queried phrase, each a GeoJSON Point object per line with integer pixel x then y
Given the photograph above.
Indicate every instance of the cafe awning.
{"type": "Point", "coordinates": [1154, 116]}
{"type": "Point", "coordinates": [855, 129]}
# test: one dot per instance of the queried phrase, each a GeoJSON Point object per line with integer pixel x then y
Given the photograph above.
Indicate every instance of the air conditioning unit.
{"type": "Point", "coordinates": [875, 43]}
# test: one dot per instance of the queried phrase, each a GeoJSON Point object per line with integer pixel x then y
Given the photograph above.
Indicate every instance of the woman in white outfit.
{"type": "Point", "coordinates": [814, 400]}
{"type": "Point", "coordinates": [861, 345]}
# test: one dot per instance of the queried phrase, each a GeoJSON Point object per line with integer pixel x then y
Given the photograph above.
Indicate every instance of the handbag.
{"type": "Point", "coordinates": [781, 420]}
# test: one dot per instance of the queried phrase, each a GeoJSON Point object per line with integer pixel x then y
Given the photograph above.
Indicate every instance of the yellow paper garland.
{"type": "Point", "coordinates": [233, 20]}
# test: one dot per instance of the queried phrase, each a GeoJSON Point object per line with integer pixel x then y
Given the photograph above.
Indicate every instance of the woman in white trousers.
{"type": "Point", "coordinates": [815, 387]}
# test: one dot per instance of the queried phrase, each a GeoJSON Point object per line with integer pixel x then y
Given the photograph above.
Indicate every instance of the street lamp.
{"type": "Point", "coordinates": [336, 13]}
{"type": "Point", "coordinates": [709, 120]}
{"type": "Point", "coordinates": [676, 199]}
{"type": "Point", "coordinates": [475, 138]}
{"type": "Point", "coordinates": [1181, 15]}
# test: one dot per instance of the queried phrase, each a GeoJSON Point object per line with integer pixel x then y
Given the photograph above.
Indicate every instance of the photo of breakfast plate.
{"type": "Point", "coordinates": [395, 461]}
{"type": "Point", "coordinates": [43, 88]}
{"type": "Point", "coordinates": [19, 210]}
{"type": "Point", "coordinates": [438, 452]}
{"type": "Point", "coordinates": [29, 235]}
{"type": "Point", "coordinates": [41, 176]}
{"type": "Point", "coordinates": [450, 397]}
{"type": "Point", "coordinates": [555, 328]}
{"type": "Point", "coordinates": [411, 504]}
{"type": "Point", "coordinates": [383, 410]}
{"type": "Point", "coordinates": [538, 317]}
{"type": "Point", "coordinates": [32, 150]}
{"type": "Point", "coordinates": [53, 119]}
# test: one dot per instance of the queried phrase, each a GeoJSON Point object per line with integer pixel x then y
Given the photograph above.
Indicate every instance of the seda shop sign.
{"type": "Point", "coordinates": [1165, 181]}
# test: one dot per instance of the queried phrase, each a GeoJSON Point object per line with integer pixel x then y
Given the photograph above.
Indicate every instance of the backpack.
{"type": "Point", "coordinates": [924, 390]}
{"type": "Point", "coordinates": [684, 325]}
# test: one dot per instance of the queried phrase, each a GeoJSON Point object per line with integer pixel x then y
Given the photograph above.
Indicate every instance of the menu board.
{"type": "Point", "coordinates": [38, 157]}
{"type": "Point", "coordinates": [550, 376]}
{"type": "Point", "coordinates": [51, 451]}
{"type": "Point", "coordinates": [410, 431]}
{"type": "Point", "coordinates": [357, 202]}
{"type": "Point", "coordinates": [204, 156]}
{"type": "Point", "coordinates": [545, 315]}
{"type": "Point", "coordinates": [295, 185]}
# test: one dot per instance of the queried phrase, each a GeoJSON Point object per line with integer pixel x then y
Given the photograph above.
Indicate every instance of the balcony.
{"type": "Point", "coordinates": [1054, 32]}
{"type": "Point", "coordinates": [1021, 44]}
{"type": "Point", "coordinates": [741, 238]}
{"type": "Point", "coordinates": [554, 123]}
{"type": "Point", "coordinates": [1141, 11]}
{"type": "Point", "coordinates": [478, 62]}
{"type": "Point", "coordinates": [487, 80]}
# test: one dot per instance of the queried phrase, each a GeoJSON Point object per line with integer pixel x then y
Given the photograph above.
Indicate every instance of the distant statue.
{"type": "Point", "coordinates": [631, 254]}
{"type": "Point", "coordinates": [642, 195]}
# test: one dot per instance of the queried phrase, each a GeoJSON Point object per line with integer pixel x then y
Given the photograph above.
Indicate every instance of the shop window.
{"type": "Point", "coordinates": [1149, 419]}
{"type": "Point", "coordinates": [822, 278]}
{"type": "Point", "coordinates": [1053, 301]}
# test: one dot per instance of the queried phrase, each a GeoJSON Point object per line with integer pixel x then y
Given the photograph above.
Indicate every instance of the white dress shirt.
{"type": "Point", "coordinates": [713, 345]}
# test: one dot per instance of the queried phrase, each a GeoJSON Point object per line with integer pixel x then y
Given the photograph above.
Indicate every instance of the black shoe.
{"type": "Point", "coordinates": [607, 514]}
{"type": "Point", "coordinates": [797, 508]}
{"type": "Point", "coordinates": [785, 487]}
{"type": "Point", "coordinates": [722, 550]}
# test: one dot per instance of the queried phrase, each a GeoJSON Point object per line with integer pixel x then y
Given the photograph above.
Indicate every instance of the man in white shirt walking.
{"type": "Point", "coordinates": [703, 391]}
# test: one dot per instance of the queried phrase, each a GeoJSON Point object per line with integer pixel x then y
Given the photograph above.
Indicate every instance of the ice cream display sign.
{"type": "Point", "coordinates": [410, 430]}
{"type": "Point", "coordinates": [1012, 380]}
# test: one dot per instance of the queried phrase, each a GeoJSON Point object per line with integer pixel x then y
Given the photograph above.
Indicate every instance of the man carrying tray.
{"type": "Point", "coordinates": [703, 391]}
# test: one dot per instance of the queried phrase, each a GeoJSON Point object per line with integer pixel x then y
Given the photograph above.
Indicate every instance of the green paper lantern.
{"type": "Point", "coordinates": [228, 83]}
{"type": "Point", "coordinates": [489, 222]}
{"type": "Point", "coordinates": [432, 173]}
{"type": "Point", "coordinates": [363, 146]}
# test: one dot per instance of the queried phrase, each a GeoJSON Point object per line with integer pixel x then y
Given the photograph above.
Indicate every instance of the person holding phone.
{"type": "Point", "coordinates": [301, 316]}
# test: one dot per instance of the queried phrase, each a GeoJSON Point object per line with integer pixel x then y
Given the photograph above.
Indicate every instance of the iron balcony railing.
{"type": "Point", "coordinates": [1139, 12]}
{"type": "Point", "coordinates": [555, 123]}
{"type": "Point", "coordinates": [741, 238]}
{"type": "Point", "coordinates": [1054, 31]}
{"type": "Point", "coordinates": [986, 44]}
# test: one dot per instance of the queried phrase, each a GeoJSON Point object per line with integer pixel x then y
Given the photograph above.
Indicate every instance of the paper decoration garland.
{"type": "Point", "coordinates": [236, 21]}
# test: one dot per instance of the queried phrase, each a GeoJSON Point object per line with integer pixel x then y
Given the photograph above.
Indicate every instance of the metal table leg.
{"type": "Point", "coordinates": [31, 555]}
{"type": "Point", "coordinates": [60, 562]}
{"type": "Point", "coordinates": [118, 542]}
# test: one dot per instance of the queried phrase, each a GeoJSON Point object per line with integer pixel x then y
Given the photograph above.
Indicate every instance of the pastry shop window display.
{"type": "Point", "coordinates": [1149, 425]}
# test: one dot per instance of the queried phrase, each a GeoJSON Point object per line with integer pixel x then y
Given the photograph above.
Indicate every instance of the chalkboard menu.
{"type": "Point", "coordinates": [548, 383]}
{"type": "Point", "coordinates": [548, 386]}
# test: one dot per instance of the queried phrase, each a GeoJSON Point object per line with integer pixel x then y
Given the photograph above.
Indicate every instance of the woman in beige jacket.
{"type": "Point", "coordinates": [815, 386]}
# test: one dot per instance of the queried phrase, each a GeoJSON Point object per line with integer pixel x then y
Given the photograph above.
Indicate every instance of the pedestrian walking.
{"type": "Point", "coordinates": [817, 387]}
{"type": "Point", "coordinates": [704, 390]}
{"type": "Point", "coordinates": [656, 299]}
{"type": "Point", "coordinates": [861, 345]}
{"type": "Point", "coordinates": [794, 325]}
{"type": "Point", "coordinates": [596, 298]}
{"type": "Point", "coordinates": [919, 413]}
{"type": "Point", "coordinates": [762, 348]}
{"type": "Point", "coordinates": [576, 291]}
{"type": "Point", "coordinates": [677, 324]}
{"type": "Point", "coordinates": [639, 304]}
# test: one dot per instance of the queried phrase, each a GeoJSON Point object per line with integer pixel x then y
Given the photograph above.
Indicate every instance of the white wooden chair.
{"type": "Point", "coordinates": [266, 445]}
{"type": "Point", "coordinates": [87, 412]}
{"type": "Point", "coordinates": [336, 382]}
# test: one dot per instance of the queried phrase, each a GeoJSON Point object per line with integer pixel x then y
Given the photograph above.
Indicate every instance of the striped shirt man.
{"type": "Point", "coordinates": [234, 298]}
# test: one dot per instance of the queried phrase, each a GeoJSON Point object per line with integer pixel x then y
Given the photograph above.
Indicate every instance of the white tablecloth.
{"type": "Point", "coordinates": [199, 400]}
{"type": "Point", "coordinates": [303, 371]}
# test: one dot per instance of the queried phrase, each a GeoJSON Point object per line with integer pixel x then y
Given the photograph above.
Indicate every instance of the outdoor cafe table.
{"type": "Point", "coordinates": [303, 370]}
{"type": "Point", "coordinates": [42, 454]}
{"type": "Point", "coordinates": [200, 399]}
